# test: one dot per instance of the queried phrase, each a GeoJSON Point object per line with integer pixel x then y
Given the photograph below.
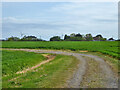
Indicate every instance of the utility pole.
{"type": "Point", "coordinates": [21, 34]}
{"type": "Point", "coordinates": [39, 35]}
{"type": "Point", "coordinates": [62, 36]}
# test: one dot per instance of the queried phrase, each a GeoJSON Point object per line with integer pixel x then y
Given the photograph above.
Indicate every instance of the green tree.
{"type": "Point", "coordinates": [89, 37]}
{"type": "Point", "coordinates": [66, 37]}
{"type": "Point", "coordinates": [78, 35]}
{"type": "Point", "coordinates": [55, 38]}
{"type": "Point", "coordinates": [29, 38]}
{"type": "Point", "coordinates": [13, 39]}
{"type": "Point", "coordinates": [103, 39]}
{"type": "Point", "coordinates": [72, 35]}
{"type": "Point", "coordinates": [99, 38]}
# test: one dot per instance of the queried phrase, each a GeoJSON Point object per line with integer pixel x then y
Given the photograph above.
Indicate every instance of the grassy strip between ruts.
{"type": "Point", "coordinates": [50, 75]}
{"type": "Point", "coordinates": [112, 62]}
{"type": "Point", "coordinates": [93, 77]}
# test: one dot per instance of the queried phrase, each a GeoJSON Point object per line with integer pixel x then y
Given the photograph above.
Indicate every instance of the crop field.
{"type": "Point", "coordinates": [105, 47]}
{"type": "Point", "coordinates": [45, 76]}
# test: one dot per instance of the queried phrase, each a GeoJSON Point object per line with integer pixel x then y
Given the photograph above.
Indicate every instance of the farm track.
{"type": "Point", "coordinates": [107, 77]}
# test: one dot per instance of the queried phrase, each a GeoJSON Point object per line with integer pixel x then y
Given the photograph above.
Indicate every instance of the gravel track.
{"type": "Point", "coordinates": [110, 80]}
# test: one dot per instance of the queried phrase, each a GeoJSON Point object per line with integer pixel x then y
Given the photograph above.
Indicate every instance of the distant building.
{"type": "Point", "coordinates": [96, 39]}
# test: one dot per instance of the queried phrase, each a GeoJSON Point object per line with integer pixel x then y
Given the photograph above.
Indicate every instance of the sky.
{"type": "Point", "coordinates": [47, 19]}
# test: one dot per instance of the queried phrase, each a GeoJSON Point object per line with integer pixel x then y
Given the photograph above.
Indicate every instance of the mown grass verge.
{"type": "Point", "coordinates": [50, 75]}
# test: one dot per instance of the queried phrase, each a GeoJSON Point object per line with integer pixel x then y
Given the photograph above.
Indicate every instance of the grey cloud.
{"type": "Point", "coordinates": [106, 20]}
{"type": "Point", "coordinates": [33, 25]}
{"type": "Point", "coordinates": [73, 17]}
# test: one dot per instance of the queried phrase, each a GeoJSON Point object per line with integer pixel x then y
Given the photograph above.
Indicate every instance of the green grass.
{"type": "Point", "coordinates": [13, 61]}
{"type": "Point", "coordinates": [50, 75]}
{"type": "Point", "coordinates": [0, 70]}
{"type": "Point", "coordinates": [105, 47]}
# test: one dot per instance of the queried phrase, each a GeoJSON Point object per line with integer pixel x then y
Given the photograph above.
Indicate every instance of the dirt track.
{"type": "Point", "coordinates": [103, 75]}
{"type": "Point", "coordinates": [49, 58]}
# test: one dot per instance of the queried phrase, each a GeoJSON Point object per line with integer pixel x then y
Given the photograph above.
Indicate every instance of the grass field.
{"type": "Point", "coordinates": [105, 47]}
{"type": "Point", "coordinates": [13, 61]}
{"type": "Point", "coordinates": [55, 73]}
{"type": "Point", "coordinates": [50, 75]}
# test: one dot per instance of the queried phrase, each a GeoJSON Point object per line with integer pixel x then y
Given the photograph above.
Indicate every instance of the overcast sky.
{"type": "Point", "coordinates": [47, 19]}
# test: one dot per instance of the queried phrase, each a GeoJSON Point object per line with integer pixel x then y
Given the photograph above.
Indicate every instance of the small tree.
{"type": "Point", "coordinates": [66, 37]}
{"type": "Point", "coordinates": [89, 37]}
{"type": "Point", "coordinates": [13, 39]}
{"type": "Point", "coordinates": [55, 38]}
{"type": "Point", "coordinates": [78, 35]}
{"type": "Point", "coordinates": [103, 39]}
{"type": "Point", "coordinates": [72, 35]}
{"type": "Point", "coordinates": [100, 36]}
{"type": "Point", "coordinates": [111, 39]}
{"type": "Point", "coordinates": [29, 38]}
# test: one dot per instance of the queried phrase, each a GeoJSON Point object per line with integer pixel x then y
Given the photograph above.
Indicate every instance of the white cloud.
{"type": "Point", "coordinates": [82, 18]}
{"type": "Point", "coordinates": [20, 21]}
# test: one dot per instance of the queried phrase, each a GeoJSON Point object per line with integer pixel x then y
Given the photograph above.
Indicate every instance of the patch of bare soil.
{"type": "Point", "coordinates": [49, 58]}
{"type": "Point", "coordinates": [83, 51]}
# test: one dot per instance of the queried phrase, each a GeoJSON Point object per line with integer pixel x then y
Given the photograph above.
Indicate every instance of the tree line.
{"type": "Point", "coordinates": [24, 38]}
{"type": "Point", "coordinates": [79, 37]}
{"type": "Point", "coordinates": [71, 37]}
